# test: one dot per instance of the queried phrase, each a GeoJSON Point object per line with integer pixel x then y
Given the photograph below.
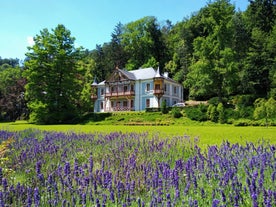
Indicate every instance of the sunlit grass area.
{"type": "Point", "coordinates": [207, 135]}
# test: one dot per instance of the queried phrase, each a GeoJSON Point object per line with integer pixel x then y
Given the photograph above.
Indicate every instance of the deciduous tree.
{"type": "Point", "coordinates": [51, 72]}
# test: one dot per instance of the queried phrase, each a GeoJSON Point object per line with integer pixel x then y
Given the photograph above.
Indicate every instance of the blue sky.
{"type": "Point", "coordinates": [91, 22]}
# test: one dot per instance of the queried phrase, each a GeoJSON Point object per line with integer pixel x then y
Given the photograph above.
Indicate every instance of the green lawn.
{"type": "Point", "coordinates": [208, 135]}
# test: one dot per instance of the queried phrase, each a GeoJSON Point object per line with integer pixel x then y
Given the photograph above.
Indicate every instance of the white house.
{"type": "Point", "coordinates": [135, 90]}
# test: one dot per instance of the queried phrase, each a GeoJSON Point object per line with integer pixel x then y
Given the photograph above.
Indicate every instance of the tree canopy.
{"type": "Point", "coordinates": [216, 52]}
{"type": "Point", "coordinates": [51, 72]}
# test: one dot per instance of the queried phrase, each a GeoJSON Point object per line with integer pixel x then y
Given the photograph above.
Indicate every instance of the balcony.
{"type": "Point", "coordinates": [119, 94]}
{"type": "Point", "coordinates": [94, 97]}
{"type": "Point", "coordinates": [158, 92]}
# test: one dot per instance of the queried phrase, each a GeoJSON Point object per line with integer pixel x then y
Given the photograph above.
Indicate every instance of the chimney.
{"type": "Point", "coordinates": [166, 74]}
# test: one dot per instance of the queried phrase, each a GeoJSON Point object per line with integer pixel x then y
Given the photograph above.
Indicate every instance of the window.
{"type": "Point", "coordinates": [102, 91]}
{"type": "Point", "coordinates": [125, 88]}
{"type": "Point", "coordinates": [165, 88]}
{"type": "Point", "coordinates": [148, 87]}
{"type": "Point", "coordinates": [131, 103]}
{"type": "Point", "coordinates": [157, 87]}
{"type": "Point", "coordinates": [102, 105]}
{"type": "Point", "coordinates": [174, 89]}
{"type": "Point", "coordinates": [125, 103]}
{"type": "Point", "coordinates": [148, 103]}
{"type": "Point", "coordinates": [132, 88]}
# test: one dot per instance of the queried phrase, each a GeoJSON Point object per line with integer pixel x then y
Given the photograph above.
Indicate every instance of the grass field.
{"type": "Point", "coordinates": [208, 135]}
{"type": "Point", "coordinates": [161, 168]}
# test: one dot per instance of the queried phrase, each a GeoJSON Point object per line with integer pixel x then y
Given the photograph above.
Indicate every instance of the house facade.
{"type": "Point", "coordinates": [135, 90]}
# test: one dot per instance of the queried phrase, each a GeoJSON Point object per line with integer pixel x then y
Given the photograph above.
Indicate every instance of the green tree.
{"type": "Point", "coordinates": [151, 63]}
{"type": "Point", "coordinates": [85, 67]}
{"type": "Point", "coordinates": [261, 14]}
{"type": "Point", "coordinates": [116, 52]}
{"type": "Point", "coordinates": [142, 39]}
{"type": "Point", "coordinates": [100, 71]}
{"type": "Point", "coordinates": [271, 48]}
{"type": "Point", "coordinates": [260, 61]}
{"type": "Point", "coordinates": [10, 62]}
{"type": "Point", "coordinates": [213, 71]}
{"type": "Point", "coordinates": [265, 109]}
{"type": "Point", "coordinates": [257, 66]}
{"type": "Point", "coordinates": [12, 104]}
{"type": "Point", "coordinates": [51, 71]}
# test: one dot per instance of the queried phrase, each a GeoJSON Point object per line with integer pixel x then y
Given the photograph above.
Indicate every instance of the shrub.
{"type": "Point", "coordinates": [244, 100]}
{"type": "Point", "coordinates": [152, 109]}
{"type": "Point", "coordinates": [221, 113]}
{"type": "Point", "coordinates": [95, 116]}
{"type": "Point", "coordinates": [164, 108]}
{"type": "Point", "coordinates": [197, 113]}
{"type": "Point", "coordinates": [215, 101]}
{"type": "Point", "coordinates": [212, 113]}
{"type": "Point", "coordinates": [243, 122]}
{"type": "Point", "coordinates": [39, 113]}
{"type": "Point", "coordinates": [244, 112]}
{"type": "Point", "coordinates": [176, 112]}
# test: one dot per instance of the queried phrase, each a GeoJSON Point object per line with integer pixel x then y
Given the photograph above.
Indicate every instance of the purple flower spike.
{"type": "Point", "coordinates": [1, 175]}
{"type": "Point", "coordinates": [139, 202]}
{"type": "Point", "coordinates": [5, 184]}
{"type": "Point", "coordinates": [67, 170]}
{"type": "Point", "coordinates": [29, 198]}
{"type": "Point", "coordinates": [38, 167]}
{"type": "Point", "coordinates": [91, 164]}
{"type": "Point", "coordinates": [215, 203]}
{"type": "Point", "coordinates": [143, 204]}
{"type": "Point", "coordinates": [2, 204]}
{"type": "Point", "coordinates": [64, 202]}
{"type": "Point", "coordinates": [36, 197]}
{"type": "Point", "coordinates": [83, 197]}
{"type": "Point", "coordinates": [254, 200]}
{"type": "Point", "coordinates": [97, 202]}
{"type": "Point", "coordinates": [112, 198]}
{"type": "Point", "coordinates": [104, 200]}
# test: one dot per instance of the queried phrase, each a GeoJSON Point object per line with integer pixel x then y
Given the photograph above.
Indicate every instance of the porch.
{"type": "Point", "coordinates": [113, 105]}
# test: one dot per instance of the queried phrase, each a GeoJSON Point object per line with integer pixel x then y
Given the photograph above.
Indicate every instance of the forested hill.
{"type": "Point", "coordinates": [216, 52]}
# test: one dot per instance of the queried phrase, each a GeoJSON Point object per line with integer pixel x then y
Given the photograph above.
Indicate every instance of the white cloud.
{"type": "Point", "coordinates": [30, 41]}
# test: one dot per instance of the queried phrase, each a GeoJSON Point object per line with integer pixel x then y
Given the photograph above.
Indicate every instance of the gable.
{"type": "Point", "coordinates": [118, 75]}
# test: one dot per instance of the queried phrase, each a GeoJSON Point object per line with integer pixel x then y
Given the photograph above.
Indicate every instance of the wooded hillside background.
{"type": "Point", "coordinates": [216, 52]}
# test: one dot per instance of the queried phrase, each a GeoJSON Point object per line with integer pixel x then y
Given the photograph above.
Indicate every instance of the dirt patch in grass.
{"type": "Point", "coordinates": [194, 103]}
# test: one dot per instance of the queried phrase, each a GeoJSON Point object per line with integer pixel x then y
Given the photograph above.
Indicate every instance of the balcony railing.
{"type": "Point", "coordinates": [94, 97]}
{"type": "Point", "coordinates": [119, 93]}
{"type": "Point", "coordinates": [158, 91]}
{"type": "Point", "coordinates": [122, 108]}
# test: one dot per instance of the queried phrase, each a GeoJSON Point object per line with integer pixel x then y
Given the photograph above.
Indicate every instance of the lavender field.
{"type": "Point", "coordinates": [42, 168]}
